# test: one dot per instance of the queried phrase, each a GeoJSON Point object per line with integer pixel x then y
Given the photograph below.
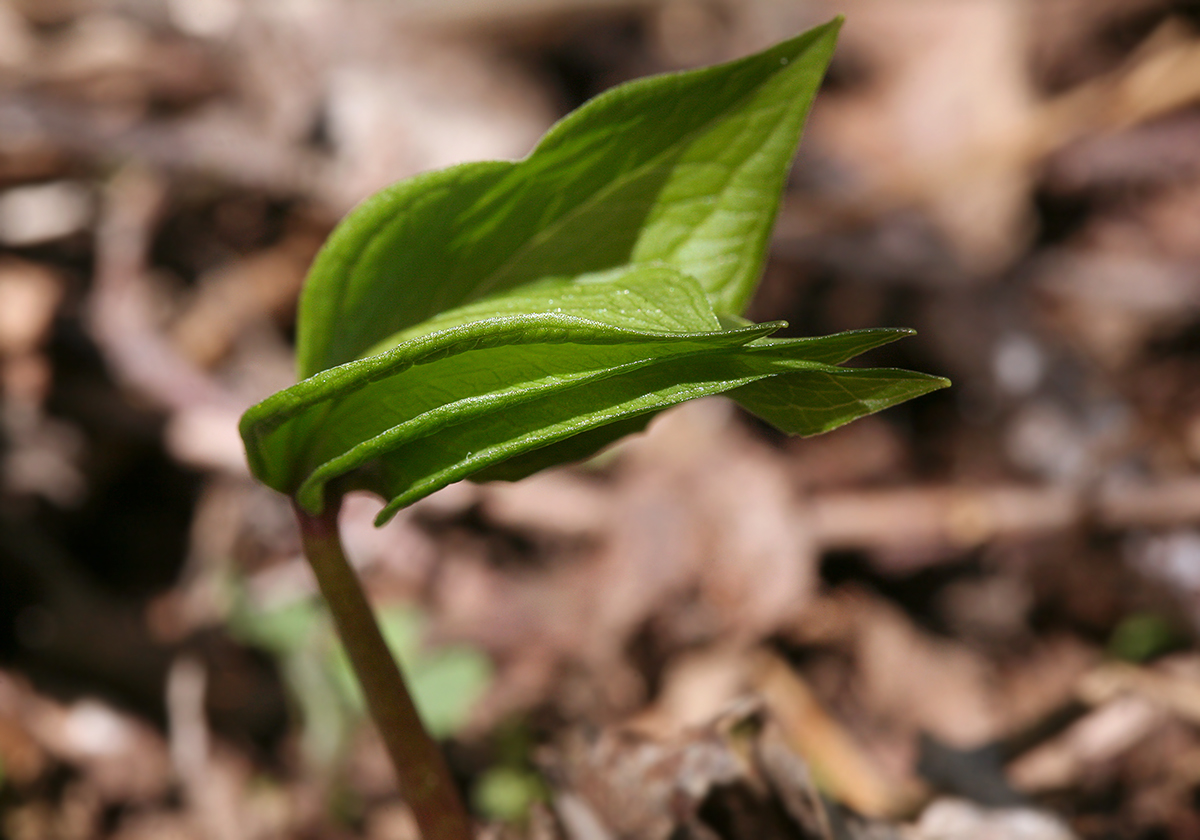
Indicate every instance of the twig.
{"type": "Point", "coordinates": [966, 517]}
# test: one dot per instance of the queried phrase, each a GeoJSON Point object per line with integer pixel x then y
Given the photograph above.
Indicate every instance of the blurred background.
{"type": "Point", "coordinates": [973, 616]}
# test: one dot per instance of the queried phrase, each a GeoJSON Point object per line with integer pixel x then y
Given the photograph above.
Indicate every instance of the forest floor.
{"type": "Point", "coordinates": [974, 616]}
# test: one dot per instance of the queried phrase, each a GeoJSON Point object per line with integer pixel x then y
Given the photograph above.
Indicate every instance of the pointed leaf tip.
{"type": "Point", "coordinates": [495, 318]}
{"type": "Point", "coordinates": [685, 169]}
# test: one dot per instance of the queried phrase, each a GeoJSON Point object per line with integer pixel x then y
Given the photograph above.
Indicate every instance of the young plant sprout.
{"type": "Point", "coordinates": [495, 318]}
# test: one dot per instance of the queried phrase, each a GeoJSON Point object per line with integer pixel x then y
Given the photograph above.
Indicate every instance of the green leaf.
{"type": "Point", "coordinates": [573, 424]}
{"type": "Point", "coordinates": [559, 369]}
{"type": "Point", "coordinates": [541, 340]}
{"type": "Point", "coordinates": [810, 402]}
{"type": "Point", "coordinates": [1142, 636]}
{"type": "Point", "coordinates": [684, 169]}
{"type": "Point", "coordinates": [497, 318]}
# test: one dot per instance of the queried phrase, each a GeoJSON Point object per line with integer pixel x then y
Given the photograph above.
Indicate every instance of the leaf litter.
{"type": "Point", "coordinates": [973, 617]}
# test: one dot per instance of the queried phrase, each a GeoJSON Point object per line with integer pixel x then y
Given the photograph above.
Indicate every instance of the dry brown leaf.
{"type": "Point", "coordinates": [1173, 685]}
{"type": "Point", "coordinates": [954, 819]}
{"type": "Point", "coordinates": [949, 93]}
{"type": "Point", "coordinates": [1093, 742]}
{"type": "Point", "coordinates": [843, 769]}
{"type": "Point", "coordinates": [237, 296]}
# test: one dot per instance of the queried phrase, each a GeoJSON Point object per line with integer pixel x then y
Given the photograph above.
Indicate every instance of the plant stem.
{"type": "Point", "coordinates": [424, 776]}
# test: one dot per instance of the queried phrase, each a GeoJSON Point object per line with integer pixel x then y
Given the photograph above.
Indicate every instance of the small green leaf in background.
{"type": "Point", "coordinates": [496, 318]}
{"type": "Point", "coordinates": [446, 682]}
{"type": "Point", "coordinates": [507, 793]}
{"type": "Point", "coordinates": [1142, 636]}
{"type": "Point", "coordinates": [511, 785]}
